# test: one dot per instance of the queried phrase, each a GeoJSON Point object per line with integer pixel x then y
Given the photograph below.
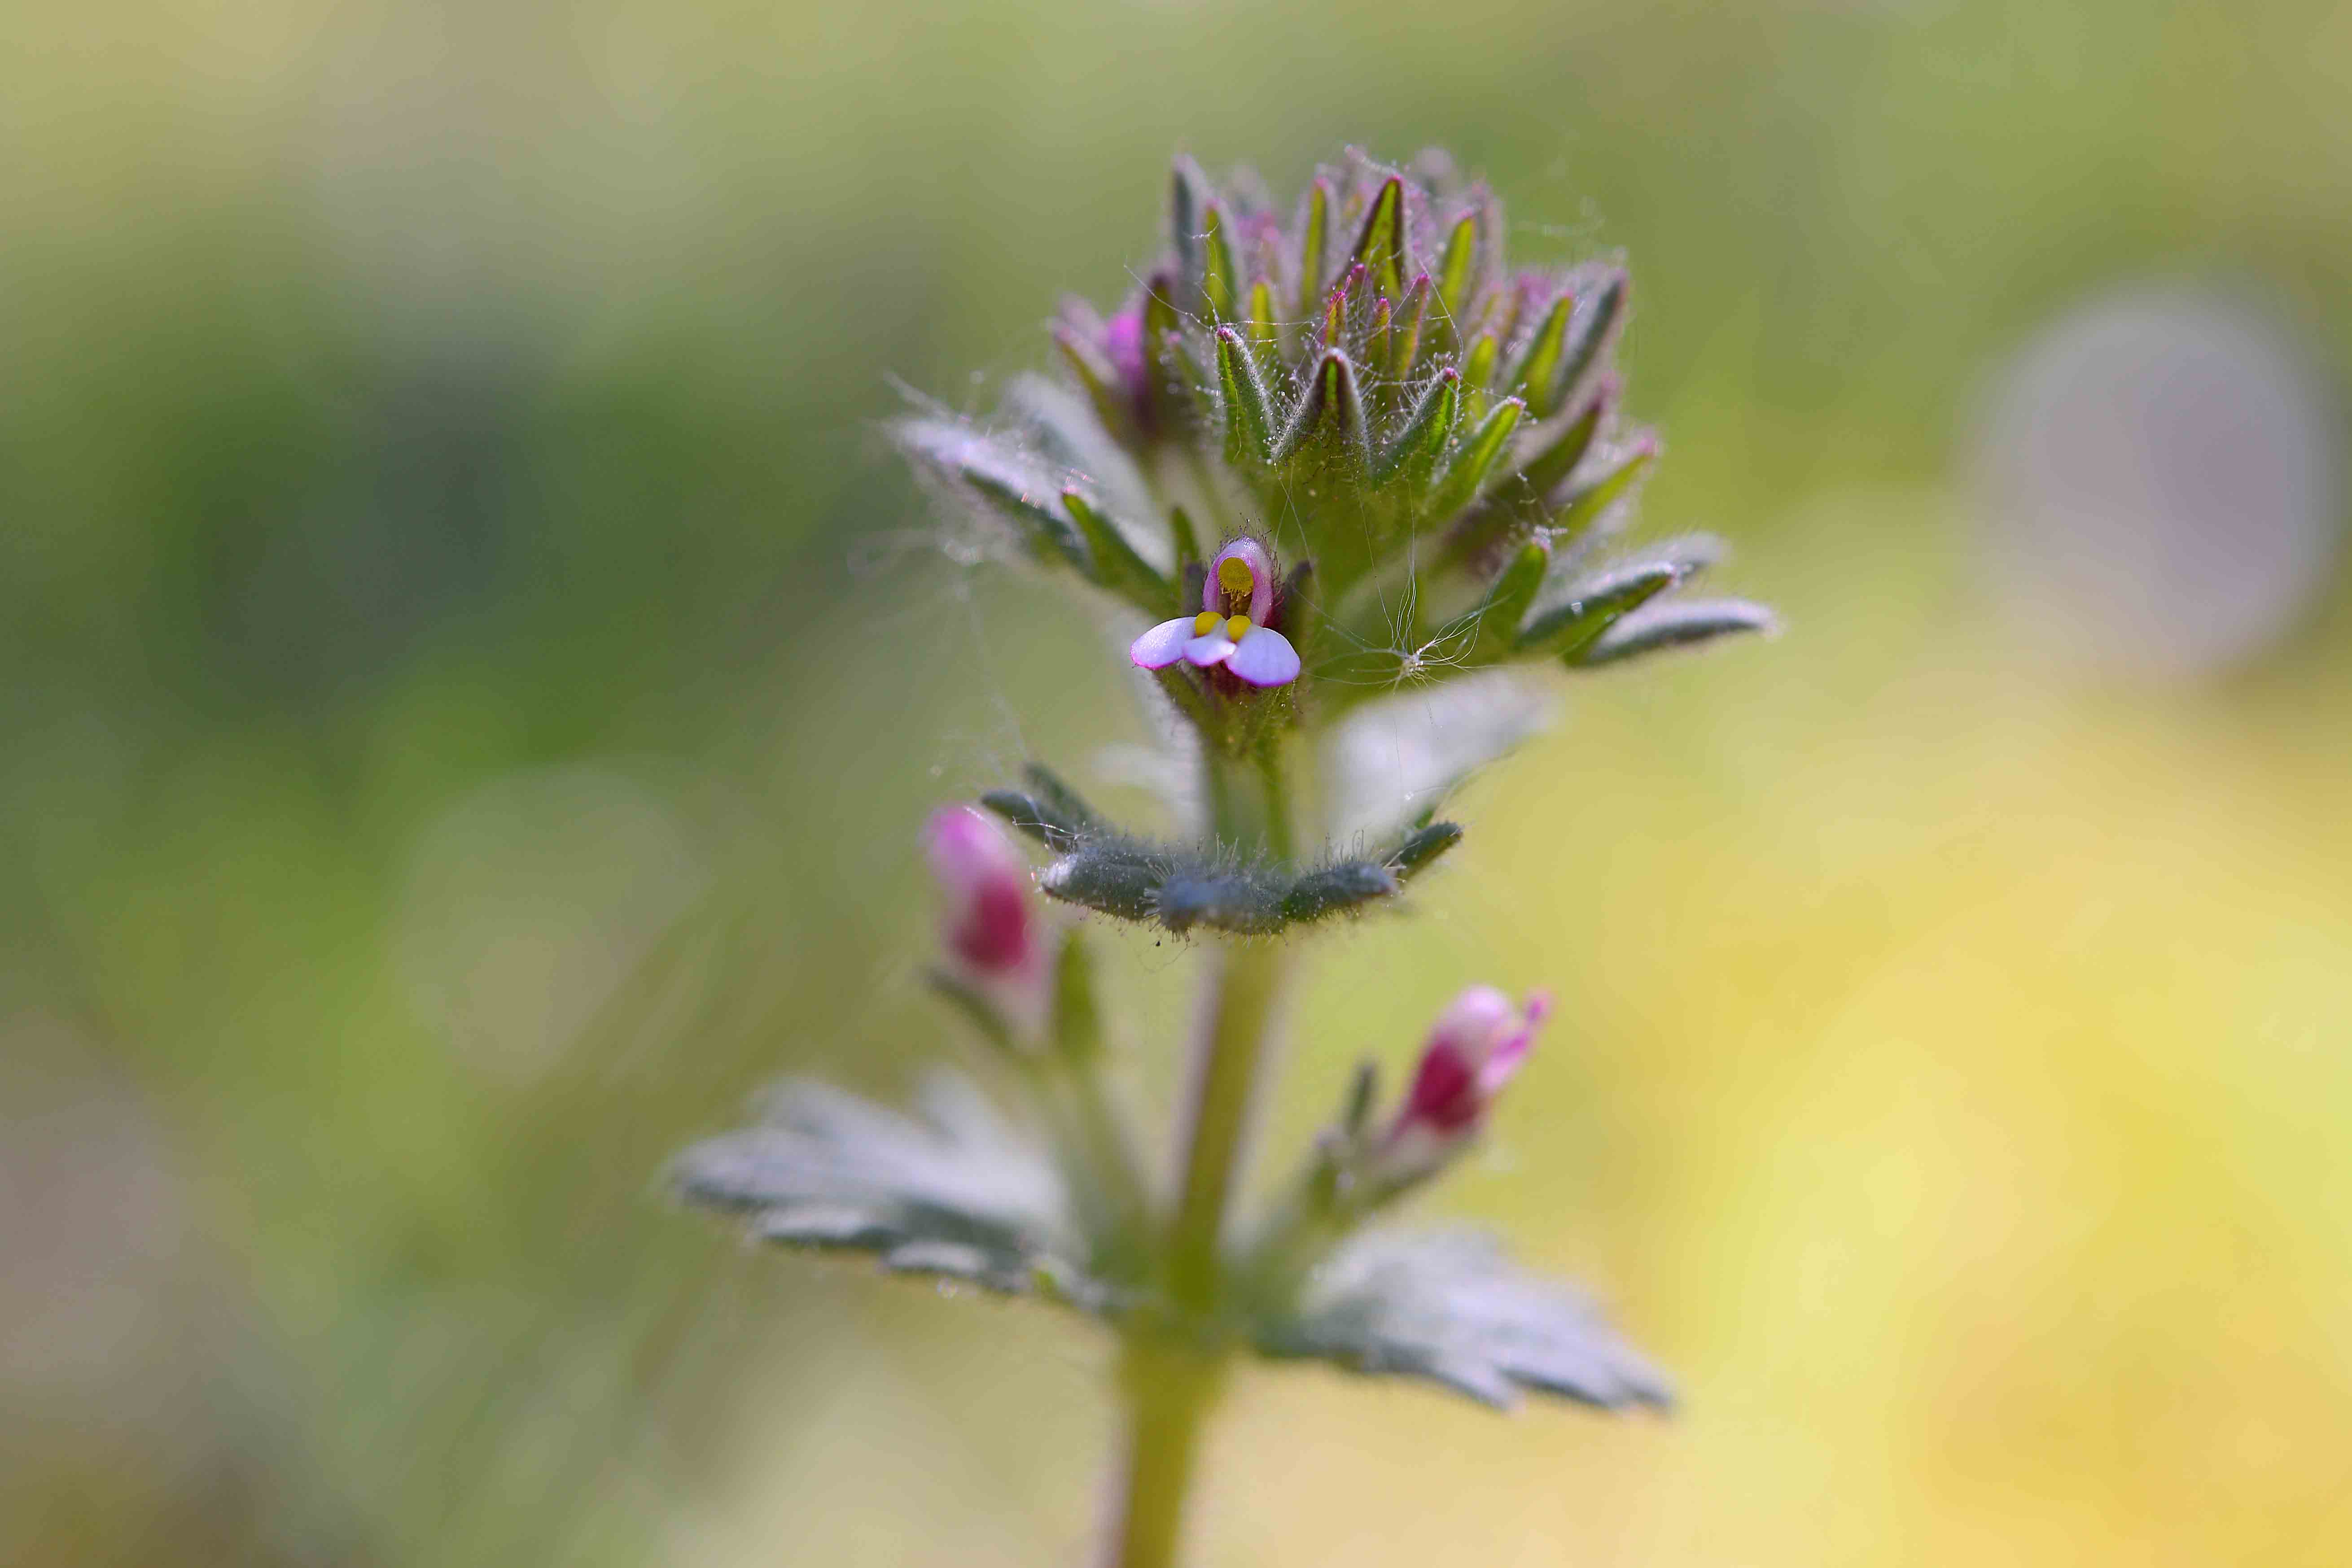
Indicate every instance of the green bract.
{"type": "Point", "coordinates": [1426, 438]}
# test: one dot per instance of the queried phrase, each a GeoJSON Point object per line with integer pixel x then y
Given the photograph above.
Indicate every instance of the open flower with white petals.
{"type": "Point", "coordinates": [1236, 597]}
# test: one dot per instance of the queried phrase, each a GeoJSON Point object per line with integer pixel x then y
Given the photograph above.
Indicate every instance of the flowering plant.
{"type": "Point", "coordinates": [1323, 459]}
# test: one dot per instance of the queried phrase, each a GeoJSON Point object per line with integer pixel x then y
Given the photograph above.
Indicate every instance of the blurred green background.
{"type": "Point", "coordinates": [469, 673]}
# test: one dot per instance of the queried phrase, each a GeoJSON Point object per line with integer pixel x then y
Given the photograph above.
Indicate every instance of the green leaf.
{"type": "Point", "coordinates": [1583, 510]}
{"type": "Point", "coordinates": [1678, 624]}
{"type": "Point", "coordinates": [1314, 235]}
{"type": "Point", "coordinates": [1457, 485]}
{"type": "Point", "coordinates": [1220, 284]}
{"type": "Point", "coordinates": [1097, 375]}
{"type": "Point", "coordinates": [1595, 331]}
{"type": "Point", "coordinates": [1419, 849]}
{"type": "Point", "coordinates": [1013, 487]}
{"type": "Point", "coordinates": [1449, 1307]}
{"type": "Point", "coordinates": [1116, 565]}
{"type": "Point", "coordinates": [1187, 197]}
{"type": "Point", "coordinates": [1478, 365]}
{"type": "Point", "coordinates": [1414, 452]}
{"type": "Point", "coordinates": [954, 1191]}
{"type": "Point", "coordinates": [1532, 377]}
{"type": "Point", "coordinates": [1380, 243]}
{"type": "Point", "coordinates": [1567, 620]}
{"type": "Point", "coordinates": [1453, 271]}
{"type": "Point", "coordinates": [1263, 332]}
{"type": "Point", "coordinates": [1337, 889]}
{"type": "Point", "coordinates": [1332, 412]}
{"type": "Point", "coordinates": [1405, 352]}
{"type": "Point", "coordinates": [1249, 420]}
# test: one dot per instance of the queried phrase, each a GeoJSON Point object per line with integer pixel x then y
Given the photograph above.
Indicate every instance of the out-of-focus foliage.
{"type": "Point", "coordinates": [469, 679]}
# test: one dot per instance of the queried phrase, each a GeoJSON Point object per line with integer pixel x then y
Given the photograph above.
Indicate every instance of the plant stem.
{"type": "Point", "coordinates": [1169, 1392]}
{"type": "Point", "coordinates": [1244, 987]}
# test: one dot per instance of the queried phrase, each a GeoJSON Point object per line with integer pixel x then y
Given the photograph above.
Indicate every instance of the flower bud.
{"type": "Point", "coordinates": [992, 933]}
{"type": "Point", "coordinates": [1474, 1047]}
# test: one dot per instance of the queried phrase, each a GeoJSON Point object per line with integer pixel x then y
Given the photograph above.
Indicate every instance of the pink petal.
{"type": "Point", "coordinates": [1261, 565]}
{"type": "Point", "coordinates": [1213, 649]}
{"type": "Point", "coordinates": [1163, 646]}
{"type": "Point", "coordinates": [1263, 657]}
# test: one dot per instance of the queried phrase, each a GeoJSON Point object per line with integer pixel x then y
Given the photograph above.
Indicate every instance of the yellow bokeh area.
{"type": "Point", "coordinates": [470, 673]}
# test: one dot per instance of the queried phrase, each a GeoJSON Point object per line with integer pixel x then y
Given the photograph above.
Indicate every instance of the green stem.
{"type": "Point", "coordinates": [1246, 985]}
{"type": "Point", "coordinates": [1169, 1393]}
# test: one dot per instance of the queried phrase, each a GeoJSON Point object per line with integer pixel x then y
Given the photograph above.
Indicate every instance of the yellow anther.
{"type": "Point", "coordinates": [1238, 627]}
{"type": "Point", "coordinates": [1205, 622]}
{"type": "Point", "coordinates": [1233, 575]}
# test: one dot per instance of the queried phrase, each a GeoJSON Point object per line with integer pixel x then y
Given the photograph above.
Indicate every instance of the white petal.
{"type": "Point", "coordinates": [1213, 649]}
{"type": "Point", "coordinates": [1163, 644]}
{"type": "Point", "coordinates": [1263, 657]}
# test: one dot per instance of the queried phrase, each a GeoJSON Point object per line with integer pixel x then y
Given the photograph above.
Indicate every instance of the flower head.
{"type": "Point", "coordinates": [992, 933]}
{"type": "Point", "coordinates": [1474, 1047]}
{"type": "Point", "coordinates": [1236, 598]}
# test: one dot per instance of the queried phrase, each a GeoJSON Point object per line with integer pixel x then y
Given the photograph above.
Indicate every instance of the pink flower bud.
{"type": "Point", "coordinates": [991, 930]}
{"type": "Point", "coordinates": [1474, 1047]}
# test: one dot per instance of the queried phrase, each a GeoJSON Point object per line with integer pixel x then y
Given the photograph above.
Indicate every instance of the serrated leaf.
{"type": "Point", "coordinates": [1677, 624]}
{"type": "Point", "coordinates": [1450, 1308]}
{"type": "Point", "coordinates": [1249, 418]}
{"type": "Point", "coordinates": [952, 1190]}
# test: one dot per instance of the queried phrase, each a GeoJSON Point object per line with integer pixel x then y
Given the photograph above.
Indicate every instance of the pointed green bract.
{"type": "Point", "coordinates": [1682, 623]}
{"type": "Point", "coordinates": [1414, 452]}
{"type": "Point", "coordinates": [1314, 235]}
{"type": "Point", "coordinates": [1249, 420]}
{"type": "Point", "coordinates": [1187, 196]}
{"type": "Point", "coordinates": [1453, 271]}
{"type": "Point", "coordinates": [1096, 375]}
{"type": "Point", "coordinates": [1331, 412]}
{"type": "Point", "coordinates": [1381, 245]}
{"type": "Point", "coordinates": [1116, 565]}
{"type": "Point", "coordinates": [1219, 281]}
{"type": "Point", "coordinates": [1458, 483]}
{"type": "Point", "coordinates": [1534, 376]}
{"type": "Point", "coordinates": [1419, 849]}
{"type": "Point", "coordinates": [1262, 334]}
{"type": "Point", "coordinates": [1593, 335]}
{"type": "Point", "coordinates": [1513, 590]}
{"type": "Point", "coordinates": [1572, 616]}
{"type": "Point", "coordinates": [1585, 508]}
{"type": "Point", "coordinates": [1415, 314]}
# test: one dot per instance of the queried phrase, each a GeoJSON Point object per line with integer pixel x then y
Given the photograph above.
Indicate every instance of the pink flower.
{"type": "Point", "coordinates": [1235, 600]}
{"type": "Point", "coordinates": [990, 929]}
{"type": "Point", "coordinates": [1476, 1046]}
